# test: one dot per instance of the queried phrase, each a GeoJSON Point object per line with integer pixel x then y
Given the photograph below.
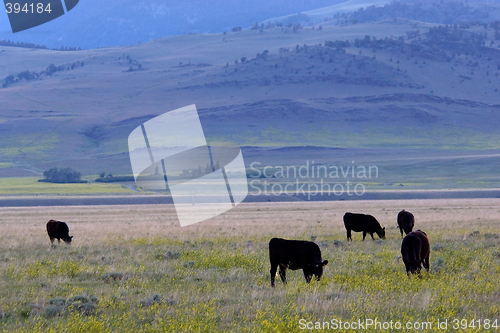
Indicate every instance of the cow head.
{"type": "Point", "coordinates": [317, 269]}
{"type": "Point", "coordinates": [381, 233]}
{"type": "Point", "coordinates": [68, 239]}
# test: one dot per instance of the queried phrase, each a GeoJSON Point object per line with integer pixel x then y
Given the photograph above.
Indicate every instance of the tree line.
{"type": "Point", "coordinates": [62, 175]}
{"type": "Point", "coordinates": [8, 42]}
{"type": "Point", "coordinates": [29, 75]}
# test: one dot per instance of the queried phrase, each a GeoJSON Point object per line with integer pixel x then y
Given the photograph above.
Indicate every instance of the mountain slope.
{"type": "Point", "coordinates": [96, 23]}
{"type": "Point", "coordinates": [359, 11]}
{"type": "Point", "coordinates": [435, 88]}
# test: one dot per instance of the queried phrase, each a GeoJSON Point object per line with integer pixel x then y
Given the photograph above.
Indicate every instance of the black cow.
{"type": "Point", "coordinates": [365, 223]}
{"type": "Point", "coordinates": [406, 221]}
{"type": "Point", "coordinates": [59, 230]}
{"type": "Point", "coordinates": [295, 254]}
{"type": "Point", "coordinates": [415, 250]}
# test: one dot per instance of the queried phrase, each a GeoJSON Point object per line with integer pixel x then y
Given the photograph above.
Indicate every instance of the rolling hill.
{"type": "Point", "coordinates": [360, 11]}
{"type": "Point", "coordinates": [95, 23]}
{"type": "Point", "coordinates": [415, 88]}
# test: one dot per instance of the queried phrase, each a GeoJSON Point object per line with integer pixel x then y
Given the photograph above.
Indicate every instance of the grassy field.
{"type": "Point", "coordinates": [133, 269]}
{"type": "Point", "coordinates": [31, 186]}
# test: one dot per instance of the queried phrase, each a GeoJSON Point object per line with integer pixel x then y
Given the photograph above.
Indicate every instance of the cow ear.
{"type": "Point", "coordinates": [70, 237]}
{"type": "Point", "coordinates": [383, 228]}
{"type": "Point", "coordinates": [324, 262]}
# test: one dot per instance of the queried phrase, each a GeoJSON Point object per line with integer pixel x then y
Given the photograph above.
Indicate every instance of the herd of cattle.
{"type": "Point", "coordinates": [305, 255]}
{"type": "Point", "coordinates": [295, 254]}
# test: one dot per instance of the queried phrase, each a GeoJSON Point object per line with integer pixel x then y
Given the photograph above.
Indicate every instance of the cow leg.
{"type": "Point", "coordinates": [307, 275]}
{"type": "Point", "coordinates": [371, 234]}
{"type": "Point", "coordinates": [426, 263]}
{"type": "Point", "coordinates": [273, 274]}
{"type": "Point", "coordinates": [408, 270]}
{"type": "Point", "coordinates": [59, 240]}
{"type": "Point", "coordinates": [349, 237]}
{"type": "Point", "coordinates": [52, 241]}
{"type": "Point", "coordinates": [283, 273]}
{"type": "Point", "coordinates": [364, 235]}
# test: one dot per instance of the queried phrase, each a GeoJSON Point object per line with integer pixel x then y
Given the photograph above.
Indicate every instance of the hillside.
{"type": "Point", "coordinates": [409, 86]}
{"type": "Point", "coordinates": [360, 11]}
{"type": "Point", "coordinates": [96, 23]}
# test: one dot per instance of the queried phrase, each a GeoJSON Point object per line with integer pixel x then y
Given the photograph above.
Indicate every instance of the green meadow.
{"type": "Point", "coordinates": [30, 186]}
{"type": "Point", "coordinates": [374, 137]}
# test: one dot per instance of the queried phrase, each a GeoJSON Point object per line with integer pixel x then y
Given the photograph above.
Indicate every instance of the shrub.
{"type": "Point", "coordinates": [155, 299]}
{"type": "Point", "coordinates": [25, 311]}
{"type": "Point", "coordinates": [438, 247]}
{"type": "Point", "coordinates": [110, 179]}
{"type": "Point", "coordinates": [81, 304]}
{"type": "Point", "coordinates": [4, 315]}
{"type": "Point", "coordinates": [438, 265]}
{"type": "Point", "coordinates": [57, 301]}
{"type": "Point", "coordinates": [189, 264]}
{"type": "Point", "coordinates": [338, 243]}
{"type": "Point", "coordinates": [63, 175]}
{"type": "Point", "coordinates": [169, 255]}
{"type": "Point", "coordinates": [54, 310]}
{"type": "Point", "coordinates": [112, 276]}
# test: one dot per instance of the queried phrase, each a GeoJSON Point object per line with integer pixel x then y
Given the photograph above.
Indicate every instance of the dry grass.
{"type": "Point", "coordinates": [215, 275]}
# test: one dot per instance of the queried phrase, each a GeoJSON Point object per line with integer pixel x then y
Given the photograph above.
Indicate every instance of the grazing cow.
{"type": "Point", "coordinates": [365, 223]}
{"type": "Point", "coordinates": [59, 230]}
{"type": "Point", "coordinates": [406, 221]}
{"type": "Point", "coordinates": [415, 250]}
{"type": "Point", "coordinates": [295, 254]}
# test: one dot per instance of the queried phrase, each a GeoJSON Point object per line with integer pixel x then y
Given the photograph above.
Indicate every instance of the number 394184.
{"type": "Point", "coordinates": [27, 8]}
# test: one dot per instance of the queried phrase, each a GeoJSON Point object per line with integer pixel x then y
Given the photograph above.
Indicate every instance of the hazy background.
{"type": "Point", "coordinates": [96, 23]}
{"type": "Point", "coordinates": [409, 86]}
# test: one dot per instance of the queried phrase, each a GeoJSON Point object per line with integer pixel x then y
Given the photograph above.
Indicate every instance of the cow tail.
{"type": "Point", "coordinates": [413, 258]}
